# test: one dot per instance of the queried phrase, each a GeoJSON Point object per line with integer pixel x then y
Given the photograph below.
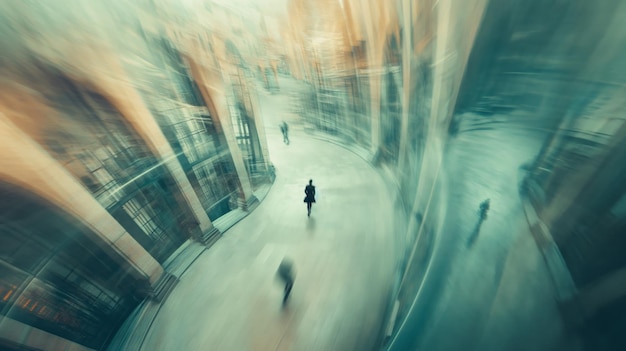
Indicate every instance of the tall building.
{"type": "Point", "coordinates": [114, 154]}
{"type": "Point", "coordinates": [410, 80]}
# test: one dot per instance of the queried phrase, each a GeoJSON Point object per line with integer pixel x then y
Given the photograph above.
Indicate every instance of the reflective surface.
{"type": "Point", "coordinates": [57, 280]}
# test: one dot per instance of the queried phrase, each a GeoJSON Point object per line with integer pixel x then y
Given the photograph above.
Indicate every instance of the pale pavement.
{"type": "Point", "coordinates": [230, 298]}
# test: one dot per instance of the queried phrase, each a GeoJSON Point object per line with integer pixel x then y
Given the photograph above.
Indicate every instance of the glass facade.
{"type": "Point", "coordinates": [57, 276]}
{"type": "Point", "coordinates": [115, 165]}
{"type": "Point", "coordinates": [54, 278]}
{"type": "Point", "coordinates": [246, 133]}
{"type": "Point", "coordinates": [188, 126]}
{"type": "Point", "coordinates": [391, 115]}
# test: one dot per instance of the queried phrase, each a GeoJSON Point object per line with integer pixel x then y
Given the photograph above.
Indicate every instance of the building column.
{"type": "Point", "coordinates": [374, 56]}
{"type": "Point", "coordinates": [212, 87]}
{"type": "Point", "coordinates": [260, 129]}
{"type": "Point", "coordinates": [407, 89]}
{"type": "Point", "coordinates": [375, 111]}
{"type": "Point", "coordinates": [456, 29]}
{"type": "Point", "coordinates": [130, 105]}
{"type": "Point", "coordinates": [454, 41]}
{"type": "Point", "coordinates": [25, 163]}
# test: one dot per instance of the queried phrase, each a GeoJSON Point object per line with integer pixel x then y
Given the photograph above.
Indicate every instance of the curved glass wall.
{"type": "Point", "coordinates": [55, 276]}
{"type": "Point", "coordinates": [115, 165]}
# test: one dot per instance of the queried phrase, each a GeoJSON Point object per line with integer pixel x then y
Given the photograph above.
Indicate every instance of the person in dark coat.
{"type": "Point", "coordinates": [284, 128]}
{"type": "Point", "coordinates": [309, 191]}
{"type": "Point", "coordinates": [286, 274]}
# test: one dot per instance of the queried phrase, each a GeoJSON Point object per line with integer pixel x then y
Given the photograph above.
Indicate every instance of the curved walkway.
{"type": "Point", "coordinates": [230, 298]}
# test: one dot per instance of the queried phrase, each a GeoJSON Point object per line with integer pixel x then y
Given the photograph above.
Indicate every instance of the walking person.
{"type": "Point", "coordinates": [287, 275]}
{"type": "Point", "coordinates": [484, 208]}
{"type": "Point", "coordinates": [309, 191]}
{"type": "Point", "coordinates": [284, 128]}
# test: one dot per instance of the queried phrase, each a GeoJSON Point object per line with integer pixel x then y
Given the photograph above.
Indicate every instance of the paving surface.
{"type": "Point", "coordinates": [231, 299]}
{"type": "Point", "coordinates": [487, 285]}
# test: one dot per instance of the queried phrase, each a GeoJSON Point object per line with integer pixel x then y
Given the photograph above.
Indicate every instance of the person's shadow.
{"type": "Point", "coordinates": [310, 225]}
{"type": "Point", "coordinates": [482, 216]}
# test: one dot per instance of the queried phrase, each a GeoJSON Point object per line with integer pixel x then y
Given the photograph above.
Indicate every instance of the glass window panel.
{"type": "Point", "coordinates": [88, 161]}
{"type": "Point", "coordinates": [90, 288]}
{"type": "Point", "coordinates": [9, 243]}
{"type": "Point", "coordinates": [103, 176]}
{"type": "Point", "coordinates": [55, 272]}
{"type": "Point", "coordinates": [29, 256]}
{"type": "Point", "coordinates": [101, 153]}
{"type": "Point", "coordinates": [10, 281]}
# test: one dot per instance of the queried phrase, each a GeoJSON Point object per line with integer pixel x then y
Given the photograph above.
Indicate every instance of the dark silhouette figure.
{"type": "Point", "coordinates": [284, 128]}
{"type": "Point", "coordinates": [482, 216]}
{"type": "Point", "coordinates": [484, 208]}
{"type": "Point", "coordinates": [287, 275]}
{"type": "Point", "coordinates": [309, 190]}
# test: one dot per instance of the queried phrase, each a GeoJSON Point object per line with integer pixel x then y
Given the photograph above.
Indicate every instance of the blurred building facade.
{"type": "Point", "coordinates": [115, 152]}
{"type": "Point", "coordinates": [403, 79]}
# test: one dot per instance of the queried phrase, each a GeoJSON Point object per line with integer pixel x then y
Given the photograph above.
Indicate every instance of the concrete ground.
{"type": "Point", "coordinates": [230, 298]}
{"type": "Point", "coordinates": [487, 285]}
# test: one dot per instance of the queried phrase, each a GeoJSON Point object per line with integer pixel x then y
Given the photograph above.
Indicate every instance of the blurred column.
{"type": "Point", "coordinates": [260, 128]}
{"type": "Point", "coordinates": [455, 33]}
{"type": "Point", "coordinates": [212, 87]}
{"type": "Point", "coordinates": [457, 24]}
{"type": "Point", "coordinates": [132, 107]}
{"type": "Point", "coordinates": [407, 53]}
{"type": "Point", "coordinates": [375, 72]}
{"type": "Point", "coordinates": [24, 163]}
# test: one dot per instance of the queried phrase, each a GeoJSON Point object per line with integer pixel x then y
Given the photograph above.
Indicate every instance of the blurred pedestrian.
{"type": "Point", "coordinates": [287, 275]}
{"type": "Point", "coordinates": [484, 208]}
{"type": "Point", "coordinates": [284, 128]}
{"type": "Point", "coordinates": [309, 191]}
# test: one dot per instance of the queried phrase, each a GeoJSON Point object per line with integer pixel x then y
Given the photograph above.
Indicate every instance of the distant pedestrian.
{"type": "Point", "coordinates": [484, 208]}
{"type": "Point", "coordinates": [284, 128]}
{"type": "Point", "coordinates": [287, 275]}
{"type": "Point", "coordinates": [309, 191]}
